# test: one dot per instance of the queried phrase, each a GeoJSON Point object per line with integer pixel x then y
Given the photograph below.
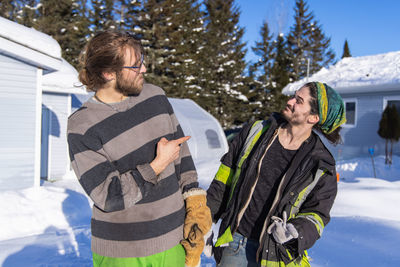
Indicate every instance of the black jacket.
{"type": "Point", "coordinates": [307, 192]}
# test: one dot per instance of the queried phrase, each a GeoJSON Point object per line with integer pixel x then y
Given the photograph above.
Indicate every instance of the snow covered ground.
{"type": "Point", "coordinates": [50, 225]}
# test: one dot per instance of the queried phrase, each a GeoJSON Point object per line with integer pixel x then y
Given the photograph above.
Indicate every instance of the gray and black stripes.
{"type": "Point", "coordinates": [110, 151]}
{"type": "Point", "coordinates": [138, 230]}
{"type": "Point", "coordinates": [114, 125]}
{"type": "Point", "coordinates": [115, 199]}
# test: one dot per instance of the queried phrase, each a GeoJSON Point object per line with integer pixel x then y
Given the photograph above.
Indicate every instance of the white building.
{"type": "Point", "coordinates": [35, 101]}
{"type": "Point", "coordinates": [58, 89]}
{"type": "Point", "coordinates": [25, 56]}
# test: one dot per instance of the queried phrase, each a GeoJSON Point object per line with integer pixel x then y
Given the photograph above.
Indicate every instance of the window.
{"type": "Point", "coordinates": [350, 112]}
{"type": "Point", "coordinates": [350, 106]}
{"type": "Point", "coordinates": [396, 103]}
{"type": "Point", "coordinates": [212, 139]}
{"type": "Point", "coordinates": [392, 100]}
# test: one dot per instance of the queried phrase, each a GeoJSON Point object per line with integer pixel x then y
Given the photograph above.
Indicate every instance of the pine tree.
{"type": "Point", "coordinates": [77, 33]}
{"type": "Point", "coordinates": [103, 15]}
{"type": "Point", "coordinates": [260, 94]}
{"type": "Point", "coordinates": [172, 35]}
{"type": "Point", "coordinates": [9, 9]}
{"type": "Point", "coordinates": [121, 11]}
{"type": "Point", "coordinates": [272, 71]}
{"type": "Point", "coordinates": [187, 39]}
{"type": "Point", "coordinates": [309, 47]}
{"type": "Point", "coordinates": [263, 50]}
{"type": "Point", "coordinates": [280, 73]}
{"type": "Point", "coordinates": [51, 17]}
{"type": "Point", "coordinates": [321, 54]}
{"type": "Point", "coordinates": [224, 88]}
{"type": "Point", "coordinates": [24, 12]}
{"type": "Point", "coordinates": [298, 41]}
{"type": "Point", "coordinates": [28, 12]}
{"type": "Point", "coordinates": [66, 21]}
{"type": "Point", "coordinates": [152, 27]}
{"type": "Point", "coordinates": [129, 11]}
{"type": "Point", "coordinates": [346, 50]}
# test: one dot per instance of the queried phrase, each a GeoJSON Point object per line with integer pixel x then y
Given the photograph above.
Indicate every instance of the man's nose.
{"type": "Point", "coordinates": [291, 101]}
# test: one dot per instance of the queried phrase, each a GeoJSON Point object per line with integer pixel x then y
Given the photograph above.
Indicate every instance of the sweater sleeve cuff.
{"type": "Point", "coordinates": [147, 173]}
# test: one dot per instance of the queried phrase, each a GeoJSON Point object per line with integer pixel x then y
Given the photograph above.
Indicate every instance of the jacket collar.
{"type": "Point", "coordinates": [320, 152]}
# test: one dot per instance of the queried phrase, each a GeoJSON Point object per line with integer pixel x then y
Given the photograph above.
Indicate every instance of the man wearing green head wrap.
{"type": "Point", "coordinates": [331, 107]}
{"type": "Point", "coordinates": [276, 185]}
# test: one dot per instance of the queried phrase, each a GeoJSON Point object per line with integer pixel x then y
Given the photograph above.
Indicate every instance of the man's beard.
{"type": "Point", "coordinates": [290, 116]}
{"type": "Point", "coordinates": [127, 87]}
{"type": "Point", "coordinates": [285, 114]}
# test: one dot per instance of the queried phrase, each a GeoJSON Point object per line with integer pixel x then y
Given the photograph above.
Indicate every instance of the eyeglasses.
{"type": "Point", "coordinates": [136, 67]}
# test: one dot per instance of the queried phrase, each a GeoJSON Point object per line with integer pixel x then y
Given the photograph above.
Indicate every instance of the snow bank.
{"type": "Point", "coordinates": [50, 225]}
{"type": "Point", "coordinates": [364, 167]}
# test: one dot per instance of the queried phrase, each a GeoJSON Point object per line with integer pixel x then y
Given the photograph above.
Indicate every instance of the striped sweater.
{"type": "Point", "coordinates": [135, 212]}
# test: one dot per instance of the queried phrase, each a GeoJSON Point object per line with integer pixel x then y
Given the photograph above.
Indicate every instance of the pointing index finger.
{"type": "Point", "coordinates": [182, 139]}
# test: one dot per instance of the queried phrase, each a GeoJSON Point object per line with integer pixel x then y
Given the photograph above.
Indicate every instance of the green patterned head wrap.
{"type": "Point", "coordinates": [331, 108]}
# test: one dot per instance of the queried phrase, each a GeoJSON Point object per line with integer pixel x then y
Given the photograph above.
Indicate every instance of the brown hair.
{"type": "Point", "coordinates": [334, 137]}
{"type": "Point", "coordinates": [105, 53]}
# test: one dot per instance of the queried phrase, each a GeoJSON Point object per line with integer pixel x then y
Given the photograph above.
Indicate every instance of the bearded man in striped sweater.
{"type": "Point", "coordinates": [131, 157]}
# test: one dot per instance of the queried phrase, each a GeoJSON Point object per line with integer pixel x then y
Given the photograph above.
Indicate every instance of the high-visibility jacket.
{"type": "Point", "coordinates": [306, 192]}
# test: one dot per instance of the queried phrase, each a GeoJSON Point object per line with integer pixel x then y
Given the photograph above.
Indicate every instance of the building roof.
{"type": "Point", "coordinates": [39, 49]}
{"type": "Point", "coordinates": [29, 45]}
{"type": "Point", "coordinates": [358, 74]}
{"type": "Point", "coordinates": [64, 80]}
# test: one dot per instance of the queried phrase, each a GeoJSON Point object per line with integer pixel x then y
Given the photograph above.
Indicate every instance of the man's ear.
{"type": "Point", "coordinates": [313, 118]}
{"type": "Point", "coordinates": [109, 76]}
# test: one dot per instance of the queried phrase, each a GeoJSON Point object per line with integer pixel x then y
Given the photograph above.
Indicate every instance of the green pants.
{"type": "Point", "coordinates": [173, 257]}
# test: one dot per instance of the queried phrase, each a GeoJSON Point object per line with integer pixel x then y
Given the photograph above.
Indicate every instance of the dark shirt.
{"type": "Point", "coordinates": [274, 165]}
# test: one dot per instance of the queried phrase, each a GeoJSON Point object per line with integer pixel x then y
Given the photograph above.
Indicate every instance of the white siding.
{"type": "Point", "coordinates": [357, 140]}
{"type": "Point", "coordinates": [17, 123]}
{"type": "Point", "coordinates": [58, 150]}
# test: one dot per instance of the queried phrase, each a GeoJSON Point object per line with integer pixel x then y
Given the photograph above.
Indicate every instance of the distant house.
{"type": "Point", "coordinates": [367, 85]}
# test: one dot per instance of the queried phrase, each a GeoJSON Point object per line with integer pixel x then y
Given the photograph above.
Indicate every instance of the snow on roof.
{"type": "Point", "coordinates": [358, 74]}
{"type": "Point", "coordinates": [29, 37]}
{"type": "Point", "coordinates": [65, 80]}
{"type": "Point", "coordinates": [19, 41]}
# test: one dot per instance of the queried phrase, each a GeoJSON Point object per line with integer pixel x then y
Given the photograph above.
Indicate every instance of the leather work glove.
{"type": "Point", "coordinates": [282, 231]}
{"type": "Point", "coordinates": [193, 252]}
{"type": "Point", "coordinates": [197, 224]}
